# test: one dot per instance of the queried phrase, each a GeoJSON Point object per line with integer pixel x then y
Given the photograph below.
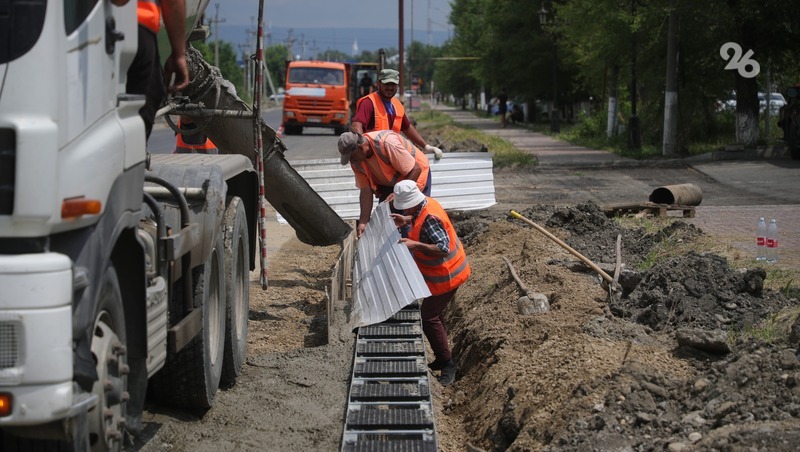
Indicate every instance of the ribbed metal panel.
{"type": "Point", "coordinates": [385, 276]}
{"type": "Point", "coordinates": [459, 181]}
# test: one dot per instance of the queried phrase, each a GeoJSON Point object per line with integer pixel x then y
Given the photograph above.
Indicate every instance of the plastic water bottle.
{"type": "Point", "coordinates": [772, 241]}
{"type": "Point", "coordinates": [761, 240]}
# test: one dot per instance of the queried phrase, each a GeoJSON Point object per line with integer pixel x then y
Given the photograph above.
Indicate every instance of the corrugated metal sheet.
{"type": "Point", "coordinates": [385, 276]}
{"type": "Point", "coordinates": [460, 181]}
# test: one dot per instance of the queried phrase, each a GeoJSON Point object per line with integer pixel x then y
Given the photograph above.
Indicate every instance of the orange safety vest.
{"type": "Point", "coordinates": [381, 115]}
{"type": "Point", "coordinates": [378, 138]}
{"type": "Point", "coordinates": [149, 14]}
{"type": "Point", "coordinates": [441, 274]}
{"type": "Point", "coordinates": [194, 144]}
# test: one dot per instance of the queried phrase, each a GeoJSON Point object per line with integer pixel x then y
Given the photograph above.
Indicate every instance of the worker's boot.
{"type": "Point", "coordinates": [437, 364]}
{"type": "Point", "coordinates": [448, 374]}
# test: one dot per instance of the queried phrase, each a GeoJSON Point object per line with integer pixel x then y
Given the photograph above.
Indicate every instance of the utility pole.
{"type": "Point", "coordinates": [400, 39]}
{"type": "Point", "coordinates": [243, 48]}
{"type": "Point", "coordinates": [670, 145]}
{"type": "Point", "coordinates": [290, 44]}
{"type": "Point", "coordinates": [216, 22]}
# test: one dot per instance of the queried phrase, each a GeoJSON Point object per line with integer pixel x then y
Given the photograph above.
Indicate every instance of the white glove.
{"type": "Point", "coordinates": [437, 153]}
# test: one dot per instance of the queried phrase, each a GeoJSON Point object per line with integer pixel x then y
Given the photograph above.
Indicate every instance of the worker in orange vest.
{"type": "Point", "coordinates": [145, 75]}
{"type": "Point", "coordinates": [379, 160]}
{"type": "Point", "coordinates": [380, 110]}
{"type": "Point", "coordinates": [442, 261]}
{"type": "Point", "coordinates": [196, 143]}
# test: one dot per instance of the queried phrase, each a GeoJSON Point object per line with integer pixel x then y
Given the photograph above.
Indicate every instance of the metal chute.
{"type": "Point", "coordinates": [314, 221]}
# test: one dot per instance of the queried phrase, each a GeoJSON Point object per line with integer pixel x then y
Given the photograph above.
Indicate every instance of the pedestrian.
{"type": "Point", "coordinates": [379, 160]}
{"type": "Point", "coordinates": [442, 261]}
{"type": "Point", "coordinates": [145, 74]}
{"type": "Point", "coordinates": [380, 110]}
{"type": "Point", "coordinates": [194, 142]}
{"type": "Point", "coordinates": [365, 85]}
{"type": "Point", "coordinates": [502, 107]}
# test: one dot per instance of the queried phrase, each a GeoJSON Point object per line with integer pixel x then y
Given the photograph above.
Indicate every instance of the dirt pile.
{"type": "Point", "coordinates": [672, 365]}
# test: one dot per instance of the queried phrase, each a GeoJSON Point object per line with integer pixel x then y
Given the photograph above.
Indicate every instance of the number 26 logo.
{"type": "Point", "coordinates": [739, 62]}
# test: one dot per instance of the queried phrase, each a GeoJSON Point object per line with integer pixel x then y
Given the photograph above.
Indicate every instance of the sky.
{"type": "Point", "coordinates": [340, 18]}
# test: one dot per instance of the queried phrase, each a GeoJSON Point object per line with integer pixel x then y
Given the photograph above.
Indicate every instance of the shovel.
{"type": "Point", "coordinates": [532, 302]}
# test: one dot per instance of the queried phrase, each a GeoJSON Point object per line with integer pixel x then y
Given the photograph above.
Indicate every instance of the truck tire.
{"type": "Point", "coordinates": [106, 420]}
{"type": "Point", "coordinates": [109, 348]}
{"type": "Point", "coordinates": [237, 285]}
{"type": "Point", "coordinates": [191, 376]}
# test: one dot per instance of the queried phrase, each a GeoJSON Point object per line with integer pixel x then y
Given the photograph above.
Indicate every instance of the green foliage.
{"type": "Point", "coordinates": [275, 58]}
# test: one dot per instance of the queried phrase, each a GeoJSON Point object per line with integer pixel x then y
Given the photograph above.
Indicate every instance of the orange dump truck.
{"type": "Point", "coordinates": [317, 95]}
{"type": "Point", "coordinates": [322, 94]}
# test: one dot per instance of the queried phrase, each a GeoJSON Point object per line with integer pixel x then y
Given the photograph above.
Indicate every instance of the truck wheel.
{"type": "Point", "coordinates": [107, 418]}
{"type": "Point", "coordinates": [237, 285]}
{"type": "Point", "coordinates": [191, 376]}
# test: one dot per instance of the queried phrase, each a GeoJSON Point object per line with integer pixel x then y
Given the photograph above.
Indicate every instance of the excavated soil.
{"type": "Point", "coordinates": [672, 363]}
{"type": "Point", "coordinates": [653, 370]}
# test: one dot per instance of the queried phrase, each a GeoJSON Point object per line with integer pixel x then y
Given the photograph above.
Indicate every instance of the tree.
{"type": "Point", "coordinates": [275, 58]}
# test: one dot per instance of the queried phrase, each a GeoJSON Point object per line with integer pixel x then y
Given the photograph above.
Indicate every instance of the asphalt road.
{"type": "Point", "coordinates": [314, 143]}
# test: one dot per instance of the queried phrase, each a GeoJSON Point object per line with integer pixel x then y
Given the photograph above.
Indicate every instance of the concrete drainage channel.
{"type": "Point", "coordinates": [389, 406]}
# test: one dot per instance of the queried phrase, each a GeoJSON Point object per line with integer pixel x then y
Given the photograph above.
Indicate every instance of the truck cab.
{"type": "Point", "coordinates": [318, 94]}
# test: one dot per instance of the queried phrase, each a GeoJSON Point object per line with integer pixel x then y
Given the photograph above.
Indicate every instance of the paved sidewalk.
{"type": "Point", "coordinates": [777, 181]}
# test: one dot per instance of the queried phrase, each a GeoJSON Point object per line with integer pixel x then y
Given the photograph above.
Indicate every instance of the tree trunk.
{"type": "Point", "coordinates": [746, 95]}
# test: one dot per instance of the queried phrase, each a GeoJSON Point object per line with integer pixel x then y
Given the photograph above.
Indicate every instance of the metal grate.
{"type": "Point", "coordinates": [389, 405]}
{"type": "Point", "coordinates": [9, 345]}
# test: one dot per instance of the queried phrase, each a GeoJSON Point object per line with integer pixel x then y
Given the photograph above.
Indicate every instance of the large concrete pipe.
{"type": "Point", "coordinates": [313, 220]}
{"type": "Point", "coordinates": [682, 195]}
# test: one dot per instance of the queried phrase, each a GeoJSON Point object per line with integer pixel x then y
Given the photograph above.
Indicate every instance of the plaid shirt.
{"type": "Point", "coordinates": [433, 231]}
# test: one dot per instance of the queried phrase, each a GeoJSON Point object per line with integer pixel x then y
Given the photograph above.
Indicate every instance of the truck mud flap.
{"type": "Point", "coordinates": [314, 221]}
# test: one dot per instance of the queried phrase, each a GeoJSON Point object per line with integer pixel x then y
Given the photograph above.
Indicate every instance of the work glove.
{"type": "Point", "coordinates": [437, 153]}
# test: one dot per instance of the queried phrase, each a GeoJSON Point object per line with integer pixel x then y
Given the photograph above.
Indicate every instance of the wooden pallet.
{"type": "Point", "coordinates": [647, 208]}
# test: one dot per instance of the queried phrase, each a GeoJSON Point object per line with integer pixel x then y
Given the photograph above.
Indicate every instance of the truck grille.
{"type": "Point", "coordinates": [10, 334]}
{"type": "Point", "coordinates": [8, 168]}
{"type": "Point", "coordinates": [315, 104]}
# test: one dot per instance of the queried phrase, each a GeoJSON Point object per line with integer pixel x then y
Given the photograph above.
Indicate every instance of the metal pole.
{"type": "Point", "coordinates": [262, 201]}
{"type": "Point", "coordinates": [401, 45]}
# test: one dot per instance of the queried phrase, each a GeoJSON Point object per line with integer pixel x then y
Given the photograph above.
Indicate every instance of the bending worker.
{"type": "Point", "coordinates": [442, 261]}
{"type": "Point", "coordinates": [379, 160]}
{"type": "Point", "coordinates": [193, 142]}
{"type": "Point", "coordinates": [380, 110]}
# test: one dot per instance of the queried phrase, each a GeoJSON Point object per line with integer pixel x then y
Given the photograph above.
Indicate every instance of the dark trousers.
{"type": "Point", "coordinates": [146, 76]}
{"type": "Point", "coordinates": [432, 313]}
